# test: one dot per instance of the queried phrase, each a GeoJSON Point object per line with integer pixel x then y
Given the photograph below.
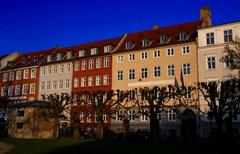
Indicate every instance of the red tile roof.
{"type": "Point", "coordinates": [154, 35]}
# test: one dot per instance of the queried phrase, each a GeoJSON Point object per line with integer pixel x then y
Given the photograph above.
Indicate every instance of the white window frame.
{"type": "Point", "coordinates": [32, 88]}
{"type": "Point", "coordinates": [67, 84]}
{"type": "Point", "coordinates": [11, 76]}
{"type": "Point", "coordinates": [120, 75]}
{"type": "Point", "coordinates": [186, 69]}
{"type": "Point", "coordinates": [10, 91]}
{"type": "Point", "coordinates": [156, 53]}
{"type": "Point", "coordinates": [83, 81]}
{"type": "Point", "coordinates": [98, 63]}
{"type": "Point", "coordinates": [76, 83]}
{"type": "Point", "coordinates": [106, 62]}
{"type": "Point", "coordinates": [157, 70]}
{"type": "Point", "coordinates": [60, 85]}
{"type": "Point", "coordinates": [98, 80]}
{"type": "Point", "coordinates": [185, 50]}
{"type": "Point", "coordinates": [42, 85]}
{"type": "Point", "coordinates": [210, 40]}
{"type": "Point", "coordinates": [144, 55]}
{"type": "Point", "coordinates": [172, 115]}
{"type": "Point", "coordinates": [90, 81]}
{"type": "Point", "coordinates": [144, 73]}
{"type": "Point", "coordinates": [54, 85]}
{"type": "Point", "coordinates": [170, 52]}
{"type": "Point", "coordinates": [106, 79]}
{"type": "Point", "coordinates": [17, 90]}
{"type": "Point", "coordinates": [18, 75]}
{"type": "Point", "coordinates": [25, 74]}
{"type": "Point", "coordinates": [211, 56]}
{"type": "Point", "coordinates": [131, 57]}
{"type": "Point", "coordinates": [119, 58]}
{"type": "Point", "coordinates": [33, 73]}
{"type": "Point", "coordinates": [228, 35]}
{"type": "Point", "coordinates": [171, 70]}
{"type": "Point", "coordinates": [91, 64]}
{"type": "Point", "coordinates": [25, 89]}
{"type": "Point", "coordinates": [131, 74]}
{"type": "Point", "coordinates": [76, 66]}
{"type": "Point", "coordinates": [84, 65]}
{"type": "Point", "coordinates": [5, 76]}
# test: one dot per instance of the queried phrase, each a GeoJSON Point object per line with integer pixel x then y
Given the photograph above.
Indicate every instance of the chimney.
{"type": "Point", "coordinates": [155, 27]}
{"type": "Point", "coordinates": [205, 16]}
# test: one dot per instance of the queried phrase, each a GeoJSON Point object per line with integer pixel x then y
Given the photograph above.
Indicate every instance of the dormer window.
{"type": "Point", "coordinates": [164, 39]}
{"type": "Point", "coordinates": [108, 48]}
{"type": "Point", "coordinates": [183, 36]}
{"type": "Point", "coordinates": [146, 42]}
{"type": "Point", "coordinates": [59, 56]}
{"type": "Point", "coordinates": [82, 53]}
{"type": "Point", "coordinates": [49, 58]}
{"type": "Point", "coordinates": [69, 54]}
{"type": "Point", "coordinates": [24, 62]}
{"type": "Point", "coordinates": [94, 51]}
{"type": "Point", "coordinates": [128, 45]}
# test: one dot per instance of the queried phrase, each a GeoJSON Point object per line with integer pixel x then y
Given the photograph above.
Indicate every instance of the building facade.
{"type": "Point", "coordinates": [155, 58]}
{"type": "Point", "coordinates": [211, 43]}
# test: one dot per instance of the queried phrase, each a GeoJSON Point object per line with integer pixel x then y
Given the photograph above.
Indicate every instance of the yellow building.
{"type": "Point", "coordinates": [156, 58]}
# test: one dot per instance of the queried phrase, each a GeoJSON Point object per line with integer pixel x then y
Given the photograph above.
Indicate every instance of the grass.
{"type": "Point", "coordinates": [71, 146]}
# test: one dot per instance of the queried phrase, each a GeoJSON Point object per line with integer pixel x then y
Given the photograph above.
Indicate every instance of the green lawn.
{"type": "Point", "coordinates": [71, 146]}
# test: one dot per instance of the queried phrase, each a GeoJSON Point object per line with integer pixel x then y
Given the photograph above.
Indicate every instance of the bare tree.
{"type": "Point", "coordinates": [57, 105]}
{"type": "Point", "coordinates": [223, 100]}
{"type": "Point", "coordinates": [232, 57]}
{"type": "Point", "coordinates": [101, 103]}
{"type": "Point", "coordinates": [153, 102]}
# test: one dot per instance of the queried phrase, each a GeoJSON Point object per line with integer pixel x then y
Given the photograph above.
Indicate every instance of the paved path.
{"type": "Point", "coordinates": [4, 147]}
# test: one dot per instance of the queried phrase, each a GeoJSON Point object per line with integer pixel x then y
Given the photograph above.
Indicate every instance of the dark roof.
{"type": "Point", "coordinates": [35, 103]}
{"type": "Point", "coordinates": [154, 35]}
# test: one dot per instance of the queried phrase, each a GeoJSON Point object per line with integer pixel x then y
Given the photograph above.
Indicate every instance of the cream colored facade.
{"type": "Point", "coordinates": [178, 59]}
{"type": "Point", "coordinates": [5, 60]}
{"type": "Point", "coordinates": [55, 78]}
{"type": "Point", "coordinates": [215, 50]}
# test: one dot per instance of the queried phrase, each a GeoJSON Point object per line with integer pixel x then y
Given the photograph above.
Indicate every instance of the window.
{"type": "Point", "coordinates": [81, 53]}
{"type": "Point", "coordinates": [19, 125]}
{"type": "Point", "coordinates": [33, 73]}
{"type": "Point", "coordinates": [186, 69]}
{"type": "Point", "coordinates": [76, 66]}
{"type": "Point", "coordinates": [132, 95]}
{"type": "Point", "coordinates": [119, 116]}
{"type": "Point", "coordinates": [144, 73]}
{"type": "Point", "coordinates": [228, 61]}
{"type": "Point", "coordinates": [55, 69]}
{"type": "Point", "coordinates": [211, 62]}
{"type": "Point", "coordinates": [183, 36]}
{"type": "Point", "coordinates": [17, 90]}
{"type": "Point", "coordinates": [170, 52]}
{"type": "Point", "coordinates": [3, 91]}
{"type": "Point", "coordinates": [159, 116]}
{"type": "Point", "coordinates": [61, 68]}
{"type": "Point", "coordinates": [185, 50]}
{"type": "Point", "coordinates": [119, 58]}
{"type": "Point", "coordinates": [119, 75]}
{"type": "Point", "coordinates": [20, 113]}
{"type": "Point", "coordinates": [188, 92]}
{"type": "Point", "coordinates": [5, 77]}
{"type": "Point", "coordinates": [84, 65]}
{"type": "Point", "coordinates": [18, 75]}
{"type": "Point", "coordinates": [210, 38]}
{"type": "Point", "coordinates": [76, 83]}
{"type": "Point", "coordinates": [68, 67]}
{"type": "Point", "coordinates": [105, 79]}
{"type": "Point", "coordinates": [81, 117]}
{"type": "Point", "coordinates": [144, 55]}
{"type": "Point", "coordinates": [83, 81]}
{"type": "Point", "coordinates": [49, 58]}
{"type": "Point", "coordinates": [171, 71]}
{"type": "Point", "coordinates": [156, 53]}
{"type": "Point", "coordinates": [32, 88]}
{"type": "Point", "coordinates": [131, 74]}
{"type": "Point", "coordinates": [108, 48]}
{"type": "Point", "coordinates": [171, 115]}
{"type": "Point", "coordinates": [144, 115]}
{"type": "Point", "coordinates": [44, 70]}
{"type": "Point", "coordinates": [157, 71]}
{"type": "Point", "coordinates": [90, 81]}
{"type": "Point", "coordinates": [69, 54]}
{"type": "Point", "coordinates": [128, 45]}
{"type": "Point", "coordinates": [10, 90]}
{"type": "Point", "coordinates": [131, 114]}
{"type": "Point", "coordinates": [11, 76]}
{"type": "Point", "coordinates": [42, 85]}
{"type": "Point", "coordinates": [164, 39]}
{"type": "Point", "coordinates": [104, 118]}
{"type": "Point", "coordinates": [67, 83]}
{"type": "Point", "coordinates": [94, 51]}
{"type": "Point", "coordinates": [98, 80]}
{"type": "Point", "coordinates": [60, 84]}
{"type": "Point", "coordinates": [228, 36]}
{"type": "Point", "coordinates": [98, 63]}
{"type": "Point", "coordinates": [55, 84]}
{"type": "Point", "coordinates": [91, 64]}
{"type": "Point", "coordinates": [146, 42]}
{"type": "Point", "coordinates": [59, 56]}
{"type": "Point", "coordinates": [89, 118]}
{"type": "Point", "coordinates": [25, 74]}
{"type": "Point", "coordinates": [49, 85]}
{"type": "Point", "coordinates": [131, 57]}
{"type": "Point", "coordinates": [49, 69]}
{"type": "Point", "coordinates": [106, 62]}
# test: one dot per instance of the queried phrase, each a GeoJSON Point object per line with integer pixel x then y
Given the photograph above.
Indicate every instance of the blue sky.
{"type": "Point", "coordinates": [32, 25]}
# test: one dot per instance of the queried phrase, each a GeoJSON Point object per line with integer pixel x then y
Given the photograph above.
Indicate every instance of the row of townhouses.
{"type": "Point", "coordinates": [142, 59]}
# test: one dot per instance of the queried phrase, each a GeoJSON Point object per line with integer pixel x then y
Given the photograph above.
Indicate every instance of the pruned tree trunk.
{"type": "Point", "coordinates": [154, 126]}
{"type": "Point", "coordinates": [100, 130]}
{"type": "Point", "coordinates": [55, 129]}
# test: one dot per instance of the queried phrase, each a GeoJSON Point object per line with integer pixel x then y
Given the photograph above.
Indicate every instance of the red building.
{"type": "Point", "coordinates": [92, 71]}
{"type": "Point", "coordinates": [20, 78]}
